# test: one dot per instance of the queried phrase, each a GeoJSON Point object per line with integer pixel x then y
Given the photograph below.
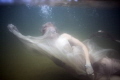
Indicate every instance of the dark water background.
{"type": "Point", "coordinates": [18, 63]}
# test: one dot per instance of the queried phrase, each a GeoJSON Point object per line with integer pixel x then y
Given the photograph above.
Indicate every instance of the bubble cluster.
{"type": "Point", "coordinates": [46, 10]}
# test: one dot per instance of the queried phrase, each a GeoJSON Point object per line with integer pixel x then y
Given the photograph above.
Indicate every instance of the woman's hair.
{"type": "Point", "coordinates": [48, 29]}
{"type": "Point", "coordinates": [46, 26]}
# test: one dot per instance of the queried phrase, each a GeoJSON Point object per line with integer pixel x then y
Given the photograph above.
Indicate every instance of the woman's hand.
{"type": "Point", "coordinates": [89, 69]}
{"type": "Point", "coordinates": [12, 28]}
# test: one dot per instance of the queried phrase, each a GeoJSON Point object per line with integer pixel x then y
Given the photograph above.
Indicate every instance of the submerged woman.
{"type": "Point", "coordinates": [68, 52]}
{"type": "Point", "coordinates": [64, 50]}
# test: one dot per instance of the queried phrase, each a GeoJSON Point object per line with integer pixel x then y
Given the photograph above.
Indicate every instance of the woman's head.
{"type": "Point", "coordinates": [49, 29]}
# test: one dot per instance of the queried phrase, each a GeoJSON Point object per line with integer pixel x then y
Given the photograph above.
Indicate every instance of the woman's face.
{"type": "Point", "coordinates": [48, 27]}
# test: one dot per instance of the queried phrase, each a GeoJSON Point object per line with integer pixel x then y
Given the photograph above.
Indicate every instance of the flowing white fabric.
{"type": "Point", "coordinates": [60, 49]}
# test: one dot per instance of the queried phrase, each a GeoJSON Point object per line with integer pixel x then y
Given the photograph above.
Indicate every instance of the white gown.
{"type": "Point", "coordinates": [62, 53]}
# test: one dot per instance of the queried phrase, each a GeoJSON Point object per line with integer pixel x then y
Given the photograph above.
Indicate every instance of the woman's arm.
{"type": "Point", "coordinates": [13, 29]}
{"type": "Point", "coordinates": [76, 42]}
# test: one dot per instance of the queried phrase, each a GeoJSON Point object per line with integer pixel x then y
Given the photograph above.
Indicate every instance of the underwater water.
{"type": "Point", "coordinates": [18, 63]}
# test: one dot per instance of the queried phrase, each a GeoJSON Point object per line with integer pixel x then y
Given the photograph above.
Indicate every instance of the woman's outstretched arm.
{"type": "Point", "coordinates": [16, 32]}
{"type": "Point", "coordinates": [13, 29]}
{"type": "Point", "coordinates": [76, 42]}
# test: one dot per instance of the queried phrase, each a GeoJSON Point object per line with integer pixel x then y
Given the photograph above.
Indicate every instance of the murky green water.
{"type": "Point", "coordinates": [18, 63]}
